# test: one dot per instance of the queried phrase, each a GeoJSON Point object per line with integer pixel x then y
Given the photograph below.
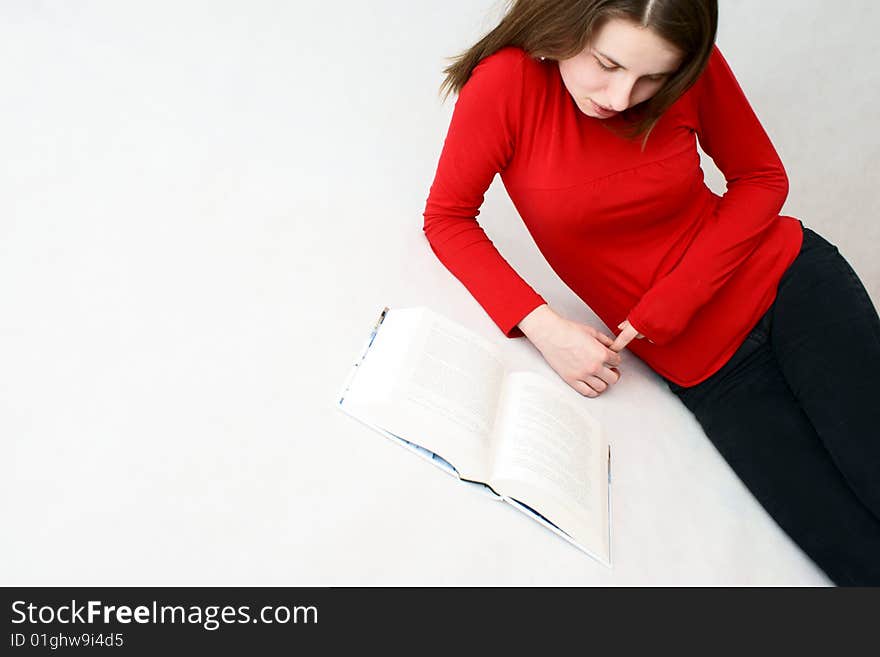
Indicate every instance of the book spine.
{"type": "Point", "coordinates": [367, 344]}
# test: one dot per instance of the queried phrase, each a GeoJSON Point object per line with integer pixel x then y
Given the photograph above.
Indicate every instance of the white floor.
{"type": "Point", "coordinates": [203, 207]}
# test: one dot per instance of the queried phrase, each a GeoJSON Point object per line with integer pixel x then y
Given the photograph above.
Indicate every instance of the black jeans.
{"type": "Point", "coordinates": [795, 413]}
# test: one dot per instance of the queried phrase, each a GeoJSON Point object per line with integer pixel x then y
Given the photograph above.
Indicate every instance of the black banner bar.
{"type": "Point", "coordinates": [170, 621]}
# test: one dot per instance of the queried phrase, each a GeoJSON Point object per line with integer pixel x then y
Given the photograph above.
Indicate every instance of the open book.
{"type": "Point", "coordinates": [443, 392]}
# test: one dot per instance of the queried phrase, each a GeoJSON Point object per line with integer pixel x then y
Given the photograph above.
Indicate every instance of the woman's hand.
{"type": "Point", "coordinates": [627, 333]}
{"type": "Point", "coordinates": [580, 354]}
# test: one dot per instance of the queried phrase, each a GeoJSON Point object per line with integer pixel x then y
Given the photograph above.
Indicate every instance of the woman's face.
{"type": "Point", "coordinates": [640, 62]}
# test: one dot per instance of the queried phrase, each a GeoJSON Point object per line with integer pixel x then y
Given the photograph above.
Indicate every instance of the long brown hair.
{"type": "Point", "coordinates": [559, 29]}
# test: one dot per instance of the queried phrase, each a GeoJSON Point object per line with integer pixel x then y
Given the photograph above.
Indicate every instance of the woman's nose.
{"type": "Point", "coordinates": [620, 93]}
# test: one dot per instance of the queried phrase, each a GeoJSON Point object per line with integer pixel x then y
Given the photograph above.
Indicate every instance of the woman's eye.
{"type": "Point", "coordinates": [614, 68]}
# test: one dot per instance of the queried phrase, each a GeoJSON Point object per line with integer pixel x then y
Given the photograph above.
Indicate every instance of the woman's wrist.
{"type": "Point", "coordinates": [536, 322]}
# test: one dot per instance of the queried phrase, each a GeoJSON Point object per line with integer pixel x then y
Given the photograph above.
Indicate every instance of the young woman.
{"type": "Point", "coordinates": [590, 110]}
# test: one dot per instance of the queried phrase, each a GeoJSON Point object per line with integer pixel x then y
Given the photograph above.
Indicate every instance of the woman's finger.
{"type": "Point", "coordinates": [626, 335]}
{"type": "Point", "coordinates": [604, 339]}
{"type": "Point", "coordinates": [584, 389]}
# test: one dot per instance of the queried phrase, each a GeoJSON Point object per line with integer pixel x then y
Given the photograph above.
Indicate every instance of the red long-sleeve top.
{"type": "Point", "coordinates": [636, 235]}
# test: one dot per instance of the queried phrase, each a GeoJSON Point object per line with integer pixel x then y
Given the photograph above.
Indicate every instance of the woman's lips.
{"type": "Point", "coordinates": [601, 110]}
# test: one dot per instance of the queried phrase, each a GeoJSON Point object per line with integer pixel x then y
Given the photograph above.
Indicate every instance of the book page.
{"type": "Point", "coordinates": [433, 383]}
{"type": "Point", "coordinates": [457, 376]}
{"type": "Point", "coordinates": [550, 454]}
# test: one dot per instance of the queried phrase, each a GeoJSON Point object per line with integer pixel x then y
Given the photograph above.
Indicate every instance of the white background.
{"type": "Point", "coordinates": [204, 206]}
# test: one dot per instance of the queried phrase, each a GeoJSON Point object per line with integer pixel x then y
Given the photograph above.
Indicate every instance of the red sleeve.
{"type": "Point", "coordinates": [757, 185]}
{"type": "Point", "coordinates": [480, 142]}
